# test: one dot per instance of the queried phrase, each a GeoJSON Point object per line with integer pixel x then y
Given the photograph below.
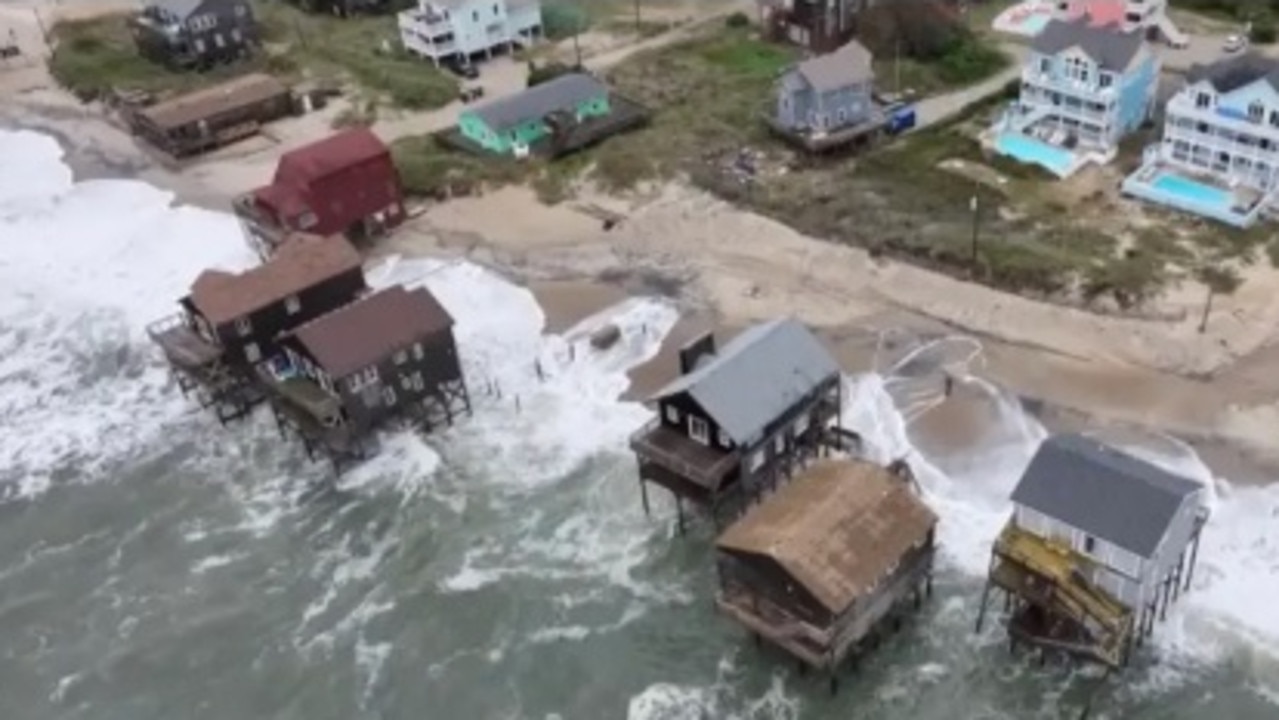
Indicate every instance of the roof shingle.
{"type": "Point", "coordinates": [1103, 491]}
{"type": "Point", "coordinates": [838, 529]}
{"type": "Point", "coordinates": [1111, 48]}
{"type": "Point", "coordinates": [561, 93]}
{"type": "Point", "coordinates": [368, 330]}
{"type": "Point", "coordinates": [301, 262]}
{"type": "Point", "coordinates": [850, 64]}
{"type": "Point", "coordinates": [757, 377]}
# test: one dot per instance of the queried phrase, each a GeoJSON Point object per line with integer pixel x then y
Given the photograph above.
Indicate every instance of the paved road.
{"type": "Point", "coordinates": [938, 108]}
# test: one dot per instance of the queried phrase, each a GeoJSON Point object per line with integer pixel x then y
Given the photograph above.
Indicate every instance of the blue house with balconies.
{"type": "Point", "coordinates": [1219, 154]}
{"type": "Point", "coordinates": [1083, 89]}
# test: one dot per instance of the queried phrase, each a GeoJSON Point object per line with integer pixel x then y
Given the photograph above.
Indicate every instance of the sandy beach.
{"type": "Point", "coordinates": [727, 268]}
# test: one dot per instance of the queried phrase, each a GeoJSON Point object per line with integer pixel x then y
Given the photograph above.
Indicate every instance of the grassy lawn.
{"type": "Point", "coordinates": [97, 55]}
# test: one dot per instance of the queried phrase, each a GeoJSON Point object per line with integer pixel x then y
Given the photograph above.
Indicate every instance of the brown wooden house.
{"type": "Point", "coordinates": [820, 566]}
{"type": "Point", "coordinates": [738, 420]}
{"type": "Point", "coordinates": [819, 25]}
{"type": "Point", "coordinates": [231, 322]}
{"type": "Point", "coordinates": [213, 117]}
{"type": "Point", "coordinates": [388, 355]}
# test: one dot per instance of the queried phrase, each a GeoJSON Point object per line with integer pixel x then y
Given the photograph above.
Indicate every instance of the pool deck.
{"type": "Point", "coordinates": [1142, 184]}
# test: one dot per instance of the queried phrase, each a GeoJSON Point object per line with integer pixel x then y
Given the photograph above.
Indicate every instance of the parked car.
{"type": "Point", "coordinates": [471, 94]}
{"type": "Point", "coordinates": [1235, 43]}
{"type": "Point", "coordinates": [462, 69]}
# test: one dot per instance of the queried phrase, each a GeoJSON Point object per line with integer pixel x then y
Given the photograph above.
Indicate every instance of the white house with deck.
{"type": "Point", "coordinates": [1219, 154]}
{"type": "Point", "coordinates": [443, 30]}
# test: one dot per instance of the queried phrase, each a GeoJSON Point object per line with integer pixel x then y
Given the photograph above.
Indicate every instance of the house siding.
{"type": "Point", "coordinates": [473, 127]}
{"type": "Point", "coordinates": [474, 28]}
{"type": "Point", "coordinates": [1122, 573]}
{"type": "Point", "coordinates": [1137, 96]}
{"type": "Point", "coordinates": [343, 199]}
{"type": "Point", "coordinates": [232, 34]}
{"type": "Point", "coordinates": [266, 324]}
{"type": "Point", "coordinates": [800, 107]}
{"type": "Point", "coordinates": [764, 578]}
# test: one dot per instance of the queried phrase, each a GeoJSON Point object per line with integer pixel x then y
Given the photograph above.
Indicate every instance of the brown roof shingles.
{"type": "Point", "coordinates": [838, 529]}
{"type": "Point", "coordinates": [245, 90]}
{"type": "Point", "coordinates": [301, 262]}
{"type": "Point", "coordinates": [365, 332]}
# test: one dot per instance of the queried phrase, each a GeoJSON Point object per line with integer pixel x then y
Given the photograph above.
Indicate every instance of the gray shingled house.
{"type": "Point", "coordinates": [1099, 544]}
{"type": "Point", "coordinates": [738, 420]}
{"type": "Point", "coordinates": [828, 92]}
{"type": "Point", "coordinates": [511, 125]}
{"type": "Point", "coordinates": [195, 33]}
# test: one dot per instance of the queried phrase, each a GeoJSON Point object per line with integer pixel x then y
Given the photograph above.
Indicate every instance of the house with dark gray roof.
{"type": "Point", "coordinates": [740, 418]}
{"type": "Point", "coordinates": [1134, 519]}
{"type": "Point", "coordinates": [1084, 87]}
{"type": "Point", "coordinates": [195, 33]}
{"type": "Point", "coordinates": [1219, 154]}
{"type": "Point", "coordinates": [828, 92]}
{"type": "Point", "coordinates": [512, 124]}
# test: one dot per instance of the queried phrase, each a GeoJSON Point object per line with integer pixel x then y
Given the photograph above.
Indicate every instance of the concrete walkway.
{"type": "Point", "coordinates": [939, 108]}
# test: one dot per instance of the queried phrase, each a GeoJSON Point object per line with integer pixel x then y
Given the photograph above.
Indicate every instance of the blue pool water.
{"type": "Point", "coordinates": [1190, 191]}
{"type": "Point", "coordinates": [1029, 150]}
{"type": "Point", "coordinates": [1035, 24]}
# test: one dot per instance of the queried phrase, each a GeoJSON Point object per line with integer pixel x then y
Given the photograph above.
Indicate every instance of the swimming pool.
{"type": "Point", "coordinates": [1029, 150]}
{"type": "Point", "coordinates": [1034, 24]}
{"type": "Point", "coordinates": [1196, 193]}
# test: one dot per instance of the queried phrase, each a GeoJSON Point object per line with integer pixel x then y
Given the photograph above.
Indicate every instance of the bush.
{"type": "Point", "coordinates": [561, 20]}
{"type": "Point", "coordinates": [1263, 34]}
{"type": "Point", "coordinates": [738, 20]}
{"type": "Point", "coordinates": [538, 74]}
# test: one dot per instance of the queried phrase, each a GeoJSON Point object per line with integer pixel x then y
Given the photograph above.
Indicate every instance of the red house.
{"type": "Point", "coordinates": [344, 184]}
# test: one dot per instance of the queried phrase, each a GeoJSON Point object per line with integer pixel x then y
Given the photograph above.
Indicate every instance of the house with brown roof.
{"type": "Point", "coordinates": [389, 354]}
{"type": "Point", "coordinates": [824, 563]}
{"type": "Point", "coordinates": [214, 116]}
{"type": "Point", "coordinates": [345, 183]}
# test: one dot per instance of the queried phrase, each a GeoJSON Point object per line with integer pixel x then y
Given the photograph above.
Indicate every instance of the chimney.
{"type": "Point", "coordinates": [690, 354]}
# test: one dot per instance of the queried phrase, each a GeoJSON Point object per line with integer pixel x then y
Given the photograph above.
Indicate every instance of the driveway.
{"type": "Point", "coordinates": [938, 108]}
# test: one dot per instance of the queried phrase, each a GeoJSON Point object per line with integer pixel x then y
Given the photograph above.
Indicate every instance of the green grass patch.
{"type": "Point", "coordinates": [96, 56]}
{"type": "Point", "coordinates": [93, 57]}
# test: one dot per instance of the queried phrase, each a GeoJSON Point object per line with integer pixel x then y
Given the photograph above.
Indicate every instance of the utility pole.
{"type": "Point", "coordinates": [897, 65]}
{"type": "Point", "coordinates": [976, 208]}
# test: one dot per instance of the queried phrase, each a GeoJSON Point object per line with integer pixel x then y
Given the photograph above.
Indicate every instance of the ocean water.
{"type": "Point", "coordinates": [155, 565]}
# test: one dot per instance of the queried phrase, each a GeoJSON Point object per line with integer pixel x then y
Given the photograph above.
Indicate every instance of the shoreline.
{"type": "Point", "coordinates": [726, 268]}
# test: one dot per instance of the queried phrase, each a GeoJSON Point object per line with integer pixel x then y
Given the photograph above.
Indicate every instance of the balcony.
{"type": "Point", "coordinates": [702, 466]}
{"type": "Point", "coordinates": [181, 344]}
{"type": "Point", "coordinates": [424, 22]}
{"type": "Point", "coordinates": [1077, 88]}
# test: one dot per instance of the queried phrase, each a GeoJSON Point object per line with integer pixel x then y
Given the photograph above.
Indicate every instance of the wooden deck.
{"type": "Point", "coordinates": [1052, 577]}
{"type": "Point", "coordinates": [698, 464]}
{"type": "Point", "coordinates": [182, 345]}
{"type": "Point", "coordinates": [867, 130]}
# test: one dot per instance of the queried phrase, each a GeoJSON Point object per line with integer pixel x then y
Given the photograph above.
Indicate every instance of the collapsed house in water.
{"type": "Point", "coordinates": [343, 375]}
{"type": "Point", "coordinates": [230, 322]}
{"type": "Point", "coordinates": [741, 419]}
{"type": "Point", "coordinates": [1099, 544]}
{"type": "Point", "coordinates": [829, 561]}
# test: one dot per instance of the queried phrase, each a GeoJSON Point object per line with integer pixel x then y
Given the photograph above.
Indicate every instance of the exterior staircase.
{"type": "Point", "coordinates": [1054, 578]}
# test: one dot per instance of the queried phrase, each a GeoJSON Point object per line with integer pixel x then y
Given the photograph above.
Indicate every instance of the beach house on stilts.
{"type": "Point", "coordinates": [738, 420]}
{"type": "Point", "coordinates": [828, 563]}
{"type": "Point", "coordinates": [1099, 544]}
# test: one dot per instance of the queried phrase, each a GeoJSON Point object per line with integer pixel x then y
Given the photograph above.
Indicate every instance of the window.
{"type": "Point", "coordinates": [199, 45]}
{"type": "Point", "coordinates": [1203, 100]}
{"type": "Point", "coordinates": [725, 441]}
{"type": "Point", "coordinates": [698, 430]}
{"type": "Point", "coordinates": [1090, 544]}
{"type": "Point", "coordinates": [252, 353]}
{"type": "Point", "coordinates": [406, 382]}
{"type": "Point", "coordinates": [236, 36]}
{"type": "Point", "coordinates": [217, 40]}
{"type": "Point", "coordinates": [292, 305]}
{"type": "Point", "coordinates": [243, 326]}
{"type": "Point", "coordinates": [757, 461]}
{"type": "Point", "coordinates": [1045, 66]}
{"type": "Point", "coordinates": [418, 383]}
{"type": "Point", "coordinates": [363, 378]}
{"type": "Point", "coordinates": [401, 357]}
{"type": "Point", "coordinates": [475, 15]}
{"type": "Point", "coordinates": [1105, 80]}
{"type": "Point", "coordinates": [672, 414]}
{"type": "Point", "coordinates": [307, 220]}
{"type": "Point", "coordinates": [417, 351]}
{"type": "Point", "coordinates": [388, 394]}
{"type": "Point", "coordinates": [496, 11]}
{"type": "Point", "coordinates": [779, 443]}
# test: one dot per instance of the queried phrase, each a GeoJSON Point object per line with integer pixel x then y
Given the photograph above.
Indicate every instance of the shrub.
{"type": "Point", "coordinates": [538, 74]}
{"type": "Point", "coordinates": [1263, 33]}
{"type": "Point", "coordinates": [738, 20]}
{"type": "Point", "coordinates": [561, 20]}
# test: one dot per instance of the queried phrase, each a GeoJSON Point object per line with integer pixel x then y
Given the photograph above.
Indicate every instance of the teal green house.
{"type": "Point", "coordinates": [515, 122]}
